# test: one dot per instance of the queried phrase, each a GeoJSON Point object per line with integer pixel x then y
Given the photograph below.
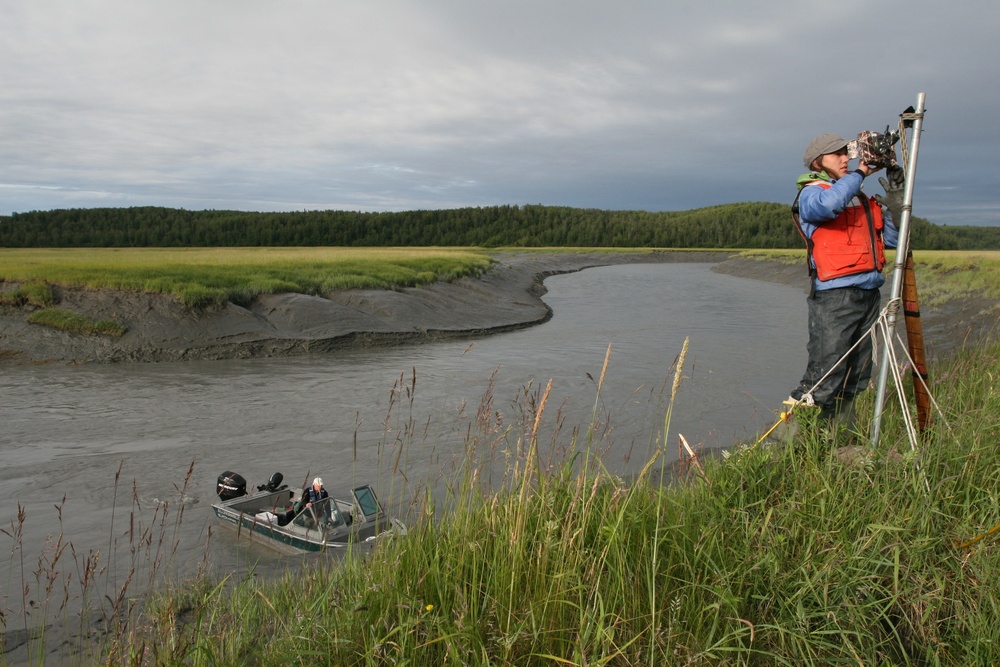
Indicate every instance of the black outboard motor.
{"type": "Point", "coordinates": [231, 485]}
{"type": "Point", "coordinates": [272, 484]}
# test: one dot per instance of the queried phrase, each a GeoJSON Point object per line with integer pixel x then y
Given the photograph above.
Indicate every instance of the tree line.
{"type": "Point", "coordinates": [741, 225]}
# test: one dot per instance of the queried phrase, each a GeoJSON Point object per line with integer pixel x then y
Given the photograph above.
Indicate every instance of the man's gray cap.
{"type": "Point", "coordinates": [821, 145]}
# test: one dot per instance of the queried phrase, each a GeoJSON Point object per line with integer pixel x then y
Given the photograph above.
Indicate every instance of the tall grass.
{"type": "Point", "coordinates": [205, 276]}
{"type": "Point", "coordinates": [780, 554]}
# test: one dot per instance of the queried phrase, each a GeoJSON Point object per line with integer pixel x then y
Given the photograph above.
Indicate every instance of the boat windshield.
{"type": "Point", "coordinates": [367, 501]}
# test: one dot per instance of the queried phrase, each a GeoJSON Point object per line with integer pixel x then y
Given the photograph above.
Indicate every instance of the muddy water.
{"type": "Point", "coordinates": [73, 430]}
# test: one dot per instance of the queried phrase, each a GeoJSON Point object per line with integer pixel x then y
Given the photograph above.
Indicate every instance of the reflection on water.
{"type": "Point", "coordinates": [67, 429]}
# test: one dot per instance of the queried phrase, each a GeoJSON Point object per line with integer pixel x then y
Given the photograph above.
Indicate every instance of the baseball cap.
{"type": "Point", "coordinates": [821, 145]}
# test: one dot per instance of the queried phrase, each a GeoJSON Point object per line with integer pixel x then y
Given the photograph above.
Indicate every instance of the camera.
{"type": "Point", "coordinates": [874, 149]}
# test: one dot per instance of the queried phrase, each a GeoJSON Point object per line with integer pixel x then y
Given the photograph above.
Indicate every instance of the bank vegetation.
{"type": "Point", "coordinates": [787, 552]}
{"type": "Point", "coordinates": [199, 277]}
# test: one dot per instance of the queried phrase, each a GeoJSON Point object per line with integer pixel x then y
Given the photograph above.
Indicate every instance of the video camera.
{"type": "Point", "coordinates": [872, 148]}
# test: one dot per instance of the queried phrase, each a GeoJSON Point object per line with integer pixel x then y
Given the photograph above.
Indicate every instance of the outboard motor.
{"type": "Point", "coordinates": [273, 483]}
{"type": "Point", "coordinates": [231, 485]}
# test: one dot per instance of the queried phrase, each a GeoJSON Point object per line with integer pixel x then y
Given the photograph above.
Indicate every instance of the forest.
{"type": "Point", "coordinates": [741, 225]}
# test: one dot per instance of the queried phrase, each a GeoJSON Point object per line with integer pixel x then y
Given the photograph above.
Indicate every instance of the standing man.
{"type": "Point", "coordinates": [846, 233]}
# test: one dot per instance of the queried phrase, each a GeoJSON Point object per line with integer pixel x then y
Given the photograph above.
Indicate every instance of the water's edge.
{"type": "Point", "coordinates": [506, 298]}
{"type": "Point", "coordinates": [159, 328]}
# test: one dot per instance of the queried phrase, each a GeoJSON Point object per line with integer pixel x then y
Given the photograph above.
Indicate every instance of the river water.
{"type": "Point", "coordinates": [118, 440]}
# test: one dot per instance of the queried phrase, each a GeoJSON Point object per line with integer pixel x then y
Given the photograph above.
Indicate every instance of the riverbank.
{"type": "Point", "coordinates": [159, 328]}
{"type": "Point", "coordinates": [950, 321]}
{"type": "Point", "coordinates": [771, 555]}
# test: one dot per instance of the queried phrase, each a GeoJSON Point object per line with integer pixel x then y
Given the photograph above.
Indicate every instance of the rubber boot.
{"type": "Point", "coordinates": [842, 416]}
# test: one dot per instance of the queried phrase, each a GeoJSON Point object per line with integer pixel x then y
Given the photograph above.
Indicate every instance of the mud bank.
{"type": "Point", "coordinates": [159, 328]}
{"type": "Point", "coordinates": [507, 297]}
{"type": "Point", "coordinates": [947, 327]}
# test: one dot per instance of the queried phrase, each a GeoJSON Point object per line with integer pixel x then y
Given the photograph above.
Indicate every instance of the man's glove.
{"type": "Point", "coordinates": [893, 184]}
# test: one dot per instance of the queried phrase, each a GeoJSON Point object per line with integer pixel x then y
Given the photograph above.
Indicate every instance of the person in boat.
{"type": "Point", "coordinates": [314, 494]}
{"type": "Point", "coordinates": [846, 233]}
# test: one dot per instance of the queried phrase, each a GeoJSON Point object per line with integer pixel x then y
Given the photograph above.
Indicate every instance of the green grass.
{"type": "Point", "coordinates": [946, 275]}
{"type": "Point", "coordinates": [778, 554]}
{"type": "Point", "coordinates": [65, 320]}
{"type": "Point", "coordinates": [559, 250]}
{"type": "Point", "coordinates": [941, 274]}
{"type": "Point", "coordinates": [37, 294]}
{"type": "Point", "coordinates": [204, 276]}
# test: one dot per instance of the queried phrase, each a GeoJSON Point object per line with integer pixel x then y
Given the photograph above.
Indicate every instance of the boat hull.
{"type": "Point", "coordinates": [259, 518]}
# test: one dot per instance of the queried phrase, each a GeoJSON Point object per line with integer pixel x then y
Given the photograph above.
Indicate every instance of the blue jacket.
{"type": "Point", "coordinates": [818, 205]}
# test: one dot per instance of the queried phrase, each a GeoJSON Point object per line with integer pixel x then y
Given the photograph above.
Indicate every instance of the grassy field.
{"type": "Point", "coordinates": [204, 276]}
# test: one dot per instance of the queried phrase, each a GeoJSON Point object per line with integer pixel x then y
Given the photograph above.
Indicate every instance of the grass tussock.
{"type": "Point", "coordinates": [777, 554]}
{"type": "Point", "coordinates": [36, 293]}
{"type": "Point", "coordinates": [64, 320]}
{"type": "Point", "coordinates": [201, 277]}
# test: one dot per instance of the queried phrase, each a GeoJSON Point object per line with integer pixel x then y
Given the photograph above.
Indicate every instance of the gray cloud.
{"type": "Point", "coordinates": [259, 105]}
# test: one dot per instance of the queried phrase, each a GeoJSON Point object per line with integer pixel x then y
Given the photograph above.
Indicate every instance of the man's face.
{"type": "Point", "coordinates": [835, 164]}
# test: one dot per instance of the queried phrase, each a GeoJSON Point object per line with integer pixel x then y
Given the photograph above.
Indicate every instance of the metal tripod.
{"type": "Point", "coordinates": [914, 120]}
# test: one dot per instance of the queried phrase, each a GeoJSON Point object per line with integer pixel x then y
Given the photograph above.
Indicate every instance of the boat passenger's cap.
{"type": "Point", "coordinates": [821, 145]}
{"type": "Point", "coordinates": [318, 481]}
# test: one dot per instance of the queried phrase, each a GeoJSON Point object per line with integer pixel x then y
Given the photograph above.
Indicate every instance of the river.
{"type": "Point", "coordinates": [354, 415]}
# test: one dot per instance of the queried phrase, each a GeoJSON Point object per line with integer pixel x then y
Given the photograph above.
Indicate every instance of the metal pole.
{"type": "Point", "coordinates": [902, 249]}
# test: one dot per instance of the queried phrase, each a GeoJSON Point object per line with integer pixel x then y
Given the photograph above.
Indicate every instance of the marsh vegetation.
{"type": "Point", "coordinates": [75, 323]}
{"type": "Point", "coordinates": [205, 276]}
{"type": "Point", "coordinates": [200, 277]}
{"type": "Point", "coordinates": [943, 275]}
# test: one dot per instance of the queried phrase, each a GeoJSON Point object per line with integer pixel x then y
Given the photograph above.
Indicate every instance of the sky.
{"type": "Point", "coordinates": [389, 105]}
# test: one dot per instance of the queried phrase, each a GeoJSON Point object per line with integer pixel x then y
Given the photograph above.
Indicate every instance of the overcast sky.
{"type": "Point", "coordinates": [382, 105]}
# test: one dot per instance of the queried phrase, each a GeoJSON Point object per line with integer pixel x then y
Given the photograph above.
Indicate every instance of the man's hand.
{"type": "Point", "coordinates": [894, 183]}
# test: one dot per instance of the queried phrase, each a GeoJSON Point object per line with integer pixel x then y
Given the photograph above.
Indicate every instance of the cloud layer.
{"type": "Point", "coordinates": [391, 105]}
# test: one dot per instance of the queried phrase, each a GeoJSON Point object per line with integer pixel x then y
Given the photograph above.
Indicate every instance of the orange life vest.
{"type": "Point", "coordinates": [849, 244]}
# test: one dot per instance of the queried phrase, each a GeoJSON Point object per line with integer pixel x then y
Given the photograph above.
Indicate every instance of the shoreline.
{"type": "Point", "coordinates": [505, 298]}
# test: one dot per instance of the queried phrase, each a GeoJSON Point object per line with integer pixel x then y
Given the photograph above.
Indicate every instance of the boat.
{"type": "Point", "coordinates": [275, 513]}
